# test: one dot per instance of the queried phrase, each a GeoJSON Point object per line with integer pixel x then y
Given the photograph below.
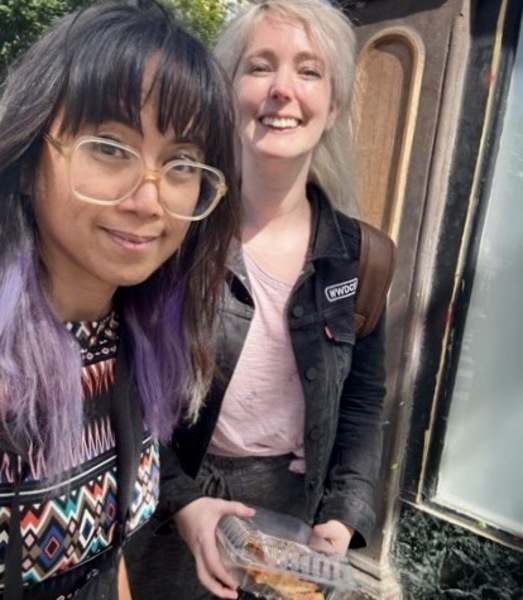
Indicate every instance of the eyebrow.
{"type": "Point", "coordinates": [270, 53]}
{"type": "Point", "coordinates": [309, 56]}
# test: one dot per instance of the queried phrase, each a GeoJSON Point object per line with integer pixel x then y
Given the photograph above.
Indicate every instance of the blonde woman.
{"type": "Point", "coordinates": [293, 420]}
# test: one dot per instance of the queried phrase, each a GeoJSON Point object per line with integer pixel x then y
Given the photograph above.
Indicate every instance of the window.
{"type": "Point", "coordinates": [481, 468]}
{"type": "Point", "coordinates": [465, 452]}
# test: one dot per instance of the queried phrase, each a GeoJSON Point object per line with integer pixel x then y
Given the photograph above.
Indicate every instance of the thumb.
{"type": "Point", "coordinates": [239, 509]}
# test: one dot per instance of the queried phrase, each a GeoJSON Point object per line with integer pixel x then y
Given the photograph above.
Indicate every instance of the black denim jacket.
{"type": "Point", "coordinates": [343, 380]}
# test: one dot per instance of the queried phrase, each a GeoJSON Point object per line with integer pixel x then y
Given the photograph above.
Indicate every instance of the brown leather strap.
{"type": "Point", "coordinates": [377, 262]}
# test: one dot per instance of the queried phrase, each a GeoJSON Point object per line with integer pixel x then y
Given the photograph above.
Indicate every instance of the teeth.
{"type": "Point", "coordinates": [280, 122]}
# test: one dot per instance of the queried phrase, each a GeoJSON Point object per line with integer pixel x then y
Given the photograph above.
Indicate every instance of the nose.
{"type": "Point", "coordinates": [281, 85]}
{"type": "Point", "coordinates": [145, 200]}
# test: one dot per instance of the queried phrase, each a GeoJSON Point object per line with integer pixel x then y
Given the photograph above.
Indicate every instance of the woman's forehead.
{"type": "Point", "coordinates": [273, 23]}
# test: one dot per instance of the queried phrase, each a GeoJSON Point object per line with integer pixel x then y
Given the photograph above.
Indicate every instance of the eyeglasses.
{"type": "Point", "coordinates": [106, 172]}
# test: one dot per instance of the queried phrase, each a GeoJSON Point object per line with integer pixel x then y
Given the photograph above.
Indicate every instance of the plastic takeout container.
{"type": "Point", "coordinates": [269, 556]}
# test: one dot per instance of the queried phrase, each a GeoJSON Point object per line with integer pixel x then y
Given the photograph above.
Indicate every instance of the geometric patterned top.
{"type": "Point", "coordinates": [66, 524]}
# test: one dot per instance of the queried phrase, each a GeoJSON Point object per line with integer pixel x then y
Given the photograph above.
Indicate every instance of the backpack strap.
{"type": "Point", "coordinates": [376, 267]}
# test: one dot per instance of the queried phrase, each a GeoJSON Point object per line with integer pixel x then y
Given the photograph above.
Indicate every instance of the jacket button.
{"type": "Point", "coordinates": [312, 484]}
{"type": "Point", "coordinates": [311, 373]}
{"type": "Point", "coordinates": [297, 311]}
{"type": "Point", "coordinates": [314, 434]}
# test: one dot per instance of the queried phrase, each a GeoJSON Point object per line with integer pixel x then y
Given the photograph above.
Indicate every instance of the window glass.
{"type": "Point", "coordinates": [481, 471]}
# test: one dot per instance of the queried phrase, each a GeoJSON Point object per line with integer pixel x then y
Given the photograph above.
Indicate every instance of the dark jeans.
{"type": "Point", "coordinates": [161, 567]}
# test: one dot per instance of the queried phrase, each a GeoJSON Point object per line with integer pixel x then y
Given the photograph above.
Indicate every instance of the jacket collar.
{"type": "Point", "coordinates": [236, 264]}
{"type": "Point", "coordinates": [326, 238]}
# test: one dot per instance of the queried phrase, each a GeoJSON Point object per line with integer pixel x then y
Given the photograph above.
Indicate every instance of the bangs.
{"type": "Point", "coordinates": [119, 67]}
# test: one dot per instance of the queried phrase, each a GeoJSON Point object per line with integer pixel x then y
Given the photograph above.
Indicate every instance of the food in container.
{"type": "Point", "coordinates": [270, 557]}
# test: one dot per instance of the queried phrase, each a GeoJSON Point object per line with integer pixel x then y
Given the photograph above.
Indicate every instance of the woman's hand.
{"type": "Point", "coordinates": [196, 523]}
{"type": "Point", "coordinates": [332, 537]}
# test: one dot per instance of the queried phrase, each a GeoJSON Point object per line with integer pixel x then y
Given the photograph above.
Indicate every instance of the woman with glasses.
{"type": "Point", "coordinates": [115, 218]}
{"type": "Point", "coordinates": [294, 422]}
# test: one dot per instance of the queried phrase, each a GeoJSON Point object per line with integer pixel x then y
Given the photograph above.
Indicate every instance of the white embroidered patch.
{"type": "Point", "coordinates": [341, 290]}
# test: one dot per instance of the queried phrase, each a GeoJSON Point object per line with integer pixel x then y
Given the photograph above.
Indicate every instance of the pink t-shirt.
{"type": "Point", "coordinates": [263, 409]}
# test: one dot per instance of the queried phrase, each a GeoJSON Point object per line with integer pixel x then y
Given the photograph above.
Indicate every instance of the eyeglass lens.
{"type": "Point", "coordinates": [106, 172]}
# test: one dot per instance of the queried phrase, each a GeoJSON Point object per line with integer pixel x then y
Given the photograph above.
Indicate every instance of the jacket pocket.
{"type": "Point", "coordinates": [340, 329]}
{"type": "Point", "coordinates": [340, 337]}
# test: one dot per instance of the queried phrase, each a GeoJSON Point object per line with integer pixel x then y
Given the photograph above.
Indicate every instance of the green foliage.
{"type": "Point", "coordinates": [22, 20]}
{"type": "Point", "coordinates": [203, 17]}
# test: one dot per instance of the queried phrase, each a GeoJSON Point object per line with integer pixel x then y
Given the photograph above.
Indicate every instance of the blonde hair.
{"type": "Point", "coordinates": [332, 32]}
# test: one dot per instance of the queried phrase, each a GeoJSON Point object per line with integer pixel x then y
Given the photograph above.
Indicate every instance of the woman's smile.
{"type": "Point", "coordinates": [131, 241]}
{"type": "Point", "coordinates": [280, 123]}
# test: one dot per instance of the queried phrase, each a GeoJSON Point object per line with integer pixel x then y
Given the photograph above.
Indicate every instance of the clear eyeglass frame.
{"type": "Point", "coordinates": [155, 176]}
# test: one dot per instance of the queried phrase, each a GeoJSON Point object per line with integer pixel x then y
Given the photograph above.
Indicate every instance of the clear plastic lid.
{"type": "Point", "coordinates": [269, 555]}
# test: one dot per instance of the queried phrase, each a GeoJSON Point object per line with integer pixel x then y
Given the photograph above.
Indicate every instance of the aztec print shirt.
{"type": "Point", "coordinates": [62, 529]}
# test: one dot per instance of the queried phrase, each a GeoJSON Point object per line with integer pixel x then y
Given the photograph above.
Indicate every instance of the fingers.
{"type": "Point", "coordinates": [216, 576]}
{"type": "Point", "coordinates": [222, 586]}
{"type": "Point", "coordinates": [331, 538]}
{"type": "Point", "coordinates": [322, 545]}
{"type": "Point", "coordinates": [213, 564]}
{"type": "Point", "coordinates": [197, 524]}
